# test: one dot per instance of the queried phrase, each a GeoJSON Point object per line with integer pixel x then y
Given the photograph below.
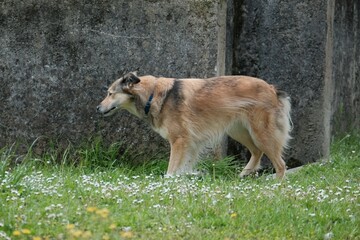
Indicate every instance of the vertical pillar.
{"type": "Point", "coordinates": [328, 78]}
{"type": "Point", "coordinates": [221, 148]}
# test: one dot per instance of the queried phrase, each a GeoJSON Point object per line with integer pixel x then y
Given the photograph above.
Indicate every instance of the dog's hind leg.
{"type": "Point", "coordinates": [272, 147]}
{"type": "Point", "coordinates": [274, 155]}
{"type": "Point", "coordinates": [183, 157]}
{"type": "Point", "coordinates": [242, 136]}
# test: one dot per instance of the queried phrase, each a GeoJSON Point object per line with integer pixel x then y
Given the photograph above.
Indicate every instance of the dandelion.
{"type": "Point", "coordinates": [126, 234]}
{"type": "Point", "coordinates": [86, 234]}
{"type": "Point", "coordinates": [112, 226]}
{"type": "Point", "coordinates": [104, 213]}
{"type": "Point", "coordinates": [16, 233]}
{"type": "Point", "coordinates": [70, 226]}
{"type": "Point", "coordinates": [25, 231]}
{"type": "Point", "coordinates": [36, 238]}
{"type": "Point", "coordinates": [76, 233]}
{"type": "Point", "coordinates": [106, 237]}
{"type": "Point", "coordinates": [233, 215]}
{"type": "Point", "coordinates": [91, 209]}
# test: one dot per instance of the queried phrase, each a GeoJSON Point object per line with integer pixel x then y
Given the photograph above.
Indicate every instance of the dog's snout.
{"type": "Point", "coordinates": [98, 108]}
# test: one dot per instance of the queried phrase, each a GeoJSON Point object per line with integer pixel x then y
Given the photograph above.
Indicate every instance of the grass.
{"type": "Point", "coordinates": [41, 199]}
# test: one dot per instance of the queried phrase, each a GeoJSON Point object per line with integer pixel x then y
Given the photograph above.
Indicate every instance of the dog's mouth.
{"type": "Point", "coordinates": [108, 112]}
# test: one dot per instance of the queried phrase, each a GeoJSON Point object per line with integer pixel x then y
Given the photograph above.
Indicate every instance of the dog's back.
{"type": "Point", "coordinates": [216, 104]}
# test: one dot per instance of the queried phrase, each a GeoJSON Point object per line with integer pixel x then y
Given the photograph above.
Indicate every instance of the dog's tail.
{"type": "Point", "coordinates": [285, 117]}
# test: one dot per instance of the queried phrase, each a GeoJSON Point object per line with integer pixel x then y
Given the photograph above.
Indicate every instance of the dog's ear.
{"type": "Point", "coordinates": [129, 80]}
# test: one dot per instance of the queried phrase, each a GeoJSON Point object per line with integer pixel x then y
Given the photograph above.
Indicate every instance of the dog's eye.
{"type": "Point", "coordinates": [109, 94]}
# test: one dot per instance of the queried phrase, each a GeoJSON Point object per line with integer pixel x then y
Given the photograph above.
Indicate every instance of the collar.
{"type": "Point", "coordinates": [148, 104]}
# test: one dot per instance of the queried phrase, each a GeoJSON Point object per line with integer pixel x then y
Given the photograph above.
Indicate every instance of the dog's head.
{"type": "Point", "coordinates": [119, 95]}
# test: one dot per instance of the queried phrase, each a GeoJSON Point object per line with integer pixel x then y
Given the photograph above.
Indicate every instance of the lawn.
{"type": "Point", "coordinates": [40, 199]}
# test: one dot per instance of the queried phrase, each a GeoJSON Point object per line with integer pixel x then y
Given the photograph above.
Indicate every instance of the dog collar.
{"type": "Point", "coordinates": [148, 104]}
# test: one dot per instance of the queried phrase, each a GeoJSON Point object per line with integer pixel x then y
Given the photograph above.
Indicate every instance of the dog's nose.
{"type": "Point", "coordinates": [98, 108]}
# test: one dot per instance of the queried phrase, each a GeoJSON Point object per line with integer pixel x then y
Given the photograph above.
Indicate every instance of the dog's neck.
{"type": "Point", "coordinates": [148, 104]}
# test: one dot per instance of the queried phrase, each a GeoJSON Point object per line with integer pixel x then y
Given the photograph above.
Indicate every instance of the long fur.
{"type": "Point", "coordinates": [191, 112]}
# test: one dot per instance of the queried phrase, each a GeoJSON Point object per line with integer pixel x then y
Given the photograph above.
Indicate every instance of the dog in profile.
{"type": "Point", "coordinates": [191, 112]}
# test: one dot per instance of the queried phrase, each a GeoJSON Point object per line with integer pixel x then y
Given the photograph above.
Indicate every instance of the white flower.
{"type": "Point", "coordinates": [4, 236]}
{"type": "Point", "coordinates": [126, 229]}
{"type": "Point", "coordinates": [228, 196]}
{"type": "Point", "coordinates": [328, 236]}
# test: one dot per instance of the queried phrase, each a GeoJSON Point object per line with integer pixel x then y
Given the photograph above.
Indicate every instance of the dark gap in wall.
{"type": "Point", "coordinates": [238, 23]}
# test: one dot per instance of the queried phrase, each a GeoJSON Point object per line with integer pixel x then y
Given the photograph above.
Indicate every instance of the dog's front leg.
{"type": "Point", "coordinates": [182, 157]}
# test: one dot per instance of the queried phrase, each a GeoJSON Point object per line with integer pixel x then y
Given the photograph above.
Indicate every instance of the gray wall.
{"type": "Point", "coordinates": [56, 56]}
{"type": "Point", "coordinates": [310, 49]}
{"type": "Point", "coordinates": [346, 66]}
{"type": "Point", "coordinates": [284, 43]}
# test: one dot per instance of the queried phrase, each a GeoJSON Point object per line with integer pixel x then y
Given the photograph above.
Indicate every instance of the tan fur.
{"type": "Point", "coordinates": [191, 112]}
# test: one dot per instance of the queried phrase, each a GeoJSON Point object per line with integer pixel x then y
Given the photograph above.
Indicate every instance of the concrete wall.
{"type": "Point", "coordinates": [56, 56]}
{"type": "Point", "coordinates": [284, 43]}
{"type": "Point", "coordinates": [311, 50]}
{"type": "Point", "coordinates": [346, 66]}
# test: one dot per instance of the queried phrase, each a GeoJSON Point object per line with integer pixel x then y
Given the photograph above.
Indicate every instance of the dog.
{"type": "Point", "coordinates": [191, 112]}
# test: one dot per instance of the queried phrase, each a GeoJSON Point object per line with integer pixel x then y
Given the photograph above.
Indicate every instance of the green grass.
{"type": "Point", "coordinates": [48, 198]}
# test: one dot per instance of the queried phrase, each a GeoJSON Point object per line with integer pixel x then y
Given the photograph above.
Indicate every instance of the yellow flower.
{"type": "Point", "coordinates": [76, 233]}
{"type": "Point", "coordinates": [233, 215]}
{"type": "Point", "coordinates": [103, 212]}
{"type": "Point", "coordinates": [36, 238]}
{"type": "Point", "coordinates": [70, 226]}
{"type": "Point", "coordinates": [86, 234]}
{"type": "Point", "coordinates": [106, 237]}
{"type": "Point", "coordinates": [16, 233]}
{"type": "Point", "coordinates": [91, 209]}
{"type": "Point", "coordinates": [112, 226]}
{"type": "Point", "coordinates": [126, 234]}
{"type": "Point", "coordinates": [25, 231]}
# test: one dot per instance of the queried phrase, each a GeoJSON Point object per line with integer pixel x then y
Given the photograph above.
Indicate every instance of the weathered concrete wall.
{"type": "Point", "coordinates": [284, 43]}
{"type": "Point", "coordinates": [55, 56]}
{"type": "Point", "coordinates": [311, 50]}
{"type": "Point", "coordinates": [346, 66]}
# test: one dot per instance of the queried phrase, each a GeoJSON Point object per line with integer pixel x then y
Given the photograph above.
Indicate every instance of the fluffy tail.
{"type": "Point", "coordinates": [285, 118]}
